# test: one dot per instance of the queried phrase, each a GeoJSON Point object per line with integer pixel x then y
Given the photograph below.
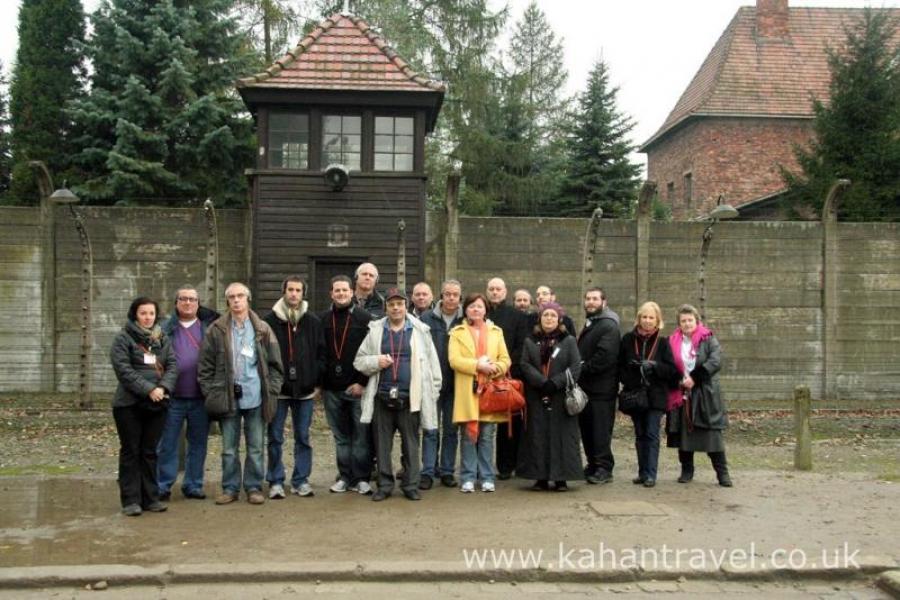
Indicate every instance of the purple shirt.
{"type": "Point", "coordinates": [186, 344]}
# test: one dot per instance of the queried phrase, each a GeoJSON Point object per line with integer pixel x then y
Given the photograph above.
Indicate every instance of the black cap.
{"type": "Point", "coordinates": [395, 292]}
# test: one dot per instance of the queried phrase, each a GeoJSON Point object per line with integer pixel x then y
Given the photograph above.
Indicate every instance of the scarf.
{"type": "Point", "coordinates": [479, 335]}
{"type": "Point", "coordinates": [676, 396]}
{"type": "Point", "coordinates": [546, 343]}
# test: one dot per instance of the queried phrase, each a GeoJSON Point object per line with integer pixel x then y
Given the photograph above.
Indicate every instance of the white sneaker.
{"type": "Point", "coordinates": [276, 491]}
{"type": "Point", "coordinates": [339, 487]}
{"type": "Point", "coordinates": [305, 490]}
{"type": "Point", "coordinates": [487, 486]}
{"type": "Point", "coordinates": [363, 488]}
{"type": "Point", "coordinates": [467, 487]}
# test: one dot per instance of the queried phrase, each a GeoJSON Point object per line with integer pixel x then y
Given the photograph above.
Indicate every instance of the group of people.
{"type": "Point", "coordinates": [390, 363]}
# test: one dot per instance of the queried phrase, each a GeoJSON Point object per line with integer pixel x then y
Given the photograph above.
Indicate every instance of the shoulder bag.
{"type": "Point", "coordinates": [576, 399]}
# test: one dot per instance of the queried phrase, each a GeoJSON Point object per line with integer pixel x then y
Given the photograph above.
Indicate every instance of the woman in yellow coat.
{"type": "Point", "coordinates": [477, 350]}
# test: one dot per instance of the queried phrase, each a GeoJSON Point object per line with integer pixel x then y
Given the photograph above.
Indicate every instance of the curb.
{"type": "Point", "coordinates": [889, 581]}
{"type": "Point", "coordinates": [423, 572]}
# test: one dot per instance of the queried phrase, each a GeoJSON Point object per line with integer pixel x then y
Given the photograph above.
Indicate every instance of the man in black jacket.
{"type": "Point", "coordinates": [302, 347]}
{"type": "Point", "coordinates": [515, 329]}
{"type": "Point", "coordinates": [364, 293]}
{"type": "Point", "coordinates": [346, 326]}
{"type": "Point", "coordinates": [598, 345]}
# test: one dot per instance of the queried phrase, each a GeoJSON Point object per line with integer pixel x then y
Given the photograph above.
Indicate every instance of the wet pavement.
{"type": "Point", "coordinates": [804, 525]}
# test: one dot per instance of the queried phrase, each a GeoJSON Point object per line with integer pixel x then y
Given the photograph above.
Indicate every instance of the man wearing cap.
{"type": "Point", "coordinates": [404, 373]}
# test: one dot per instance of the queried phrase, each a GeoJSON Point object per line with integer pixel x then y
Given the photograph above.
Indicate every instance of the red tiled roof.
{"type": "Point", "coordinates": [746, 75]}
{"type": "Point", "coordinates": [342, 53]}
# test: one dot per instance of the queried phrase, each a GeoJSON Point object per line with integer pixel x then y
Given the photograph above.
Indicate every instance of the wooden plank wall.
{"type": "Point", "coordinates": [293, 215]}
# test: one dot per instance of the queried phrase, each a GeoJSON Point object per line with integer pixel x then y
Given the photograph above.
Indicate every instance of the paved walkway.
{"type": "Point", "coordinates": [772, 526]}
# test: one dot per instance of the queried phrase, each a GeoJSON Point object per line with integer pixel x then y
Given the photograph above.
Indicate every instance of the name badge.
{"type": "Point", "coordinates": [247, 351]}
{"type": "Point", "coordinates": [149, 359]}
{"type": "Point", "coordinates": [555, 352]}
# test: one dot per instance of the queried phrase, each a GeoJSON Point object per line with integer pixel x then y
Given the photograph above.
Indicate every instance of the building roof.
{"type": "Point", "coordinates": [342, 53]}
{"type": "Point", "coordinates": [754, 76]}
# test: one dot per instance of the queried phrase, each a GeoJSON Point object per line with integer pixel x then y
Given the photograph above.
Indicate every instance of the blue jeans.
{"type": "Point", "coordinates": [351, 438]}
{"type": "Point", "coordinates": [301, 419]}
{"type": "Point", "coordinates": [477, 458]}
{"type": "Point", "coordinates": [231, 450]}
{"type": "Point", "coordinates": [181, 410]}
{"type": "Point", "coordinates": [449, 441]}
{"type": "Point", "coordinates": [646, 441]}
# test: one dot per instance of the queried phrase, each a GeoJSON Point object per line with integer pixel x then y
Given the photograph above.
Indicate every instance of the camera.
{"type": "Point", "coordinates": [238, 391]}
{"type": "Point", "coordinates": [292, 372]}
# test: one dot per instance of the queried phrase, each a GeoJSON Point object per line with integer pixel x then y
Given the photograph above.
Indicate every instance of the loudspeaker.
{"type": "Point", "coordinates": [336, 176]}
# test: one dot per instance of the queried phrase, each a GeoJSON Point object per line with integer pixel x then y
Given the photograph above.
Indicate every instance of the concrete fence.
{"type": "Point", "coordinates": [793, 303]}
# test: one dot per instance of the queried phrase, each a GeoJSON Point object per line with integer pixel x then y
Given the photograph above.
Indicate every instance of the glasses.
{"type": "Point", "coordinates": [187, 299]}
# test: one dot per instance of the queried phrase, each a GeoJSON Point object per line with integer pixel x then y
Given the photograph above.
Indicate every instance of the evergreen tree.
{"type": "Point", "coordinates": [272, 25]}
{"type": "Point", "coordinates": [47, 74]}
{"type": "Point", "coordinates": [599, 171]}
{"type": "Point", "coordinates": [162, 120]}
{"type": "Point", "coordinates": [857, 134]}
{"type": "Point", "coordinates": [537, 60]}
{"type": "Point", "coordinates": [5, 145]}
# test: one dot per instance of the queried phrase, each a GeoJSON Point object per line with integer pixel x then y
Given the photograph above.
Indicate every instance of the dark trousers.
{"type": "Point", "coordinates": [508, 447]}
{"type": "Point", "coordinates": [596, 422]}
{"type": "Point", "coordinates": [646, 441]}
{"type": "Point", "coordinates": [385, 423]}
{"type": "Point", "coordinates": [139, 431]}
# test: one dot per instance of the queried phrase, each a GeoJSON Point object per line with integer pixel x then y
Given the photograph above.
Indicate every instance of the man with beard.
{"type": "Point", "coordinates": [598, 345]}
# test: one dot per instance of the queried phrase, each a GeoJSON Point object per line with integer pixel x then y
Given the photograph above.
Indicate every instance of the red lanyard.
{"type": "Point", "coordinates": [652, 348]}
{"type": "Point", "coordinates": [395, 357]}
{"type": "Point", "coordinates": [339, 350]}
{"type": "Point", "coordinates": [290, 341]}
{"type": "Point", "coordinates": [187, 332]}
{"type": "Point", "coordinates": [156, 366]}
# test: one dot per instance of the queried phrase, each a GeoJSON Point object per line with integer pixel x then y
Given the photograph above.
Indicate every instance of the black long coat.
{"type": "Point", "coordinates": [551, 448]}
{"type": "Point", "coordinates": [707, 405]}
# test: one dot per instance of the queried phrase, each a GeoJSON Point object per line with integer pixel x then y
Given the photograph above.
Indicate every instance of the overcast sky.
{"type": "Point", "coordinates": [653, 47]}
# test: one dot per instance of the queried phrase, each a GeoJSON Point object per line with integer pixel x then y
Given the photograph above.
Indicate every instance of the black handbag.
{"type": "Point", "coordinates": [632, 402]}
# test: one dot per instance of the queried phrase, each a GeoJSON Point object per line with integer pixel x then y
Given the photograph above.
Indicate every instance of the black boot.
{"type": "Point", "coordinates": [721, 466]}
{"type": "Point", "coordinates": [687, 466]}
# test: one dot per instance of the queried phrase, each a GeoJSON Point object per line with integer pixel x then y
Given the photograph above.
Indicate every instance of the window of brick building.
{"type": "Point", "coordinates": [688, 189]}
{"type": "Point", "coordinates": [670, 192]}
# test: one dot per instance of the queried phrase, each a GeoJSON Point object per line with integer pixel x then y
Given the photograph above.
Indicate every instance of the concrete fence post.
{"type": "Point", "coordinates": [830, 248]}
{"type": "Point", "coordinates": [802, 432]}
{"type": "Point", "coordinates": [48, 277]}
{"type": "Point", "coordinates": [642, 243]}
{"type": "Point", "coordinates": [451, 238]}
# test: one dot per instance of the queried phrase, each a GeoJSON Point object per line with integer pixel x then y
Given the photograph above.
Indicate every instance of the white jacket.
{"type": "Point", "coordinates": [425, 371]}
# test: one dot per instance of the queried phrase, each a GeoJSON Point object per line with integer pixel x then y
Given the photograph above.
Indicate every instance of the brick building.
{"type": "Point", "coordinates": [746, 108]}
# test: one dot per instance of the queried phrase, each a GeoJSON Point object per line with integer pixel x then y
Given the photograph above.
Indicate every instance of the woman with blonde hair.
{"type": "Point", "coordinates": [646, 363]}
{"type": "Point", "coordinates": [477, 352]}
{"type": "Point", "coordinates": [696, 411]}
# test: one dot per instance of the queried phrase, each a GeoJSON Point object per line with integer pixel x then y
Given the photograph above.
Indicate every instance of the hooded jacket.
{"type": "Point", "coordinates": [303, 346]}
{"type": "Point", "coordinates": [137, 379]}
{"type": "Point", "coordinates": [440, 335]}
{"type": "Point", "coordinates": [598, 345]}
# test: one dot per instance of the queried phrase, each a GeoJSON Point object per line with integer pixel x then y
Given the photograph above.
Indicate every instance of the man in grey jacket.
{"type": "Point", "coordinates": [240, 374]}
{"type": "Point", "coordinates": [401, 394]}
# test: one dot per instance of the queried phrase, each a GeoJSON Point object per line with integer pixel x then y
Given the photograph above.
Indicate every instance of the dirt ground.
{"type": "Point", "coordinates": [43, 435]}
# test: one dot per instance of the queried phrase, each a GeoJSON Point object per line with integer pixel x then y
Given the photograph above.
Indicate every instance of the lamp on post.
{"type": "Point", "coordinates": [721, 212]}
{"type": "Point", "coordinates": [65, 196]}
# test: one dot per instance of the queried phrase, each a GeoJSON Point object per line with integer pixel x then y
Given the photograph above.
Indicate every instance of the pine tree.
{"type": "Point", "coordinates": [856, 132]}
{"type": "Point", "coordinates": [162, 120]}
{"type": "Point", "coordinates": [5, 144]}
{"type": "Point", "coordinates": [47, 74]}
{"type": "Point", "coordinates": [536, 54]}
{"type": "Point", "coordinates": [599, 171]}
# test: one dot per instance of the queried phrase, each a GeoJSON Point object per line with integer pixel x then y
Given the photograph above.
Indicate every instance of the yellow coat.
{"type": "Point", "coordinates": [463, 362]}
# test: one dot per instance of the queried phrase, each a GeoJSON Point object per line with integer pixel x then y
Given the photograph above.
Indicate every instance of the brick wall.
{"type": "Point", "coordinates": [739, 158]}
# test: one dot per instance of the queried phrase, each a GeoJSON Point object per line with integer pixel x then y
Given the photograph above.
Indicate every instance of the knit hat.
{"type": "Point", "coordinates": [560, 312]}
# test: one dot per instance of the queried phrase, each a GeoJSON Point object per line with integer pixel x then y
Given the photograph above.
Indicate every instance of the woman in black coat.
{"type": "Point", "coordinates": [645, 360]}
{"type": "Point", "coordinates": [144, 363]}
{"type": "Point", "coordinates": [550, 450]}
{"type": "Point", "coordinates": [697, 417]}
